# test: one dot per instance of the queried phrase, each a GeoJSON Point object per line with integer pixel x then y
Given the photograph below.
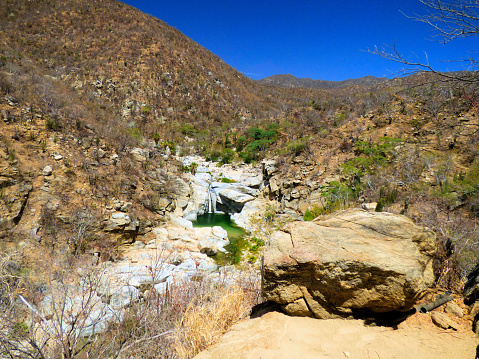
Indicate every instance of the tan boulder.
{"type": "Point", "coordinates": [349, 261]}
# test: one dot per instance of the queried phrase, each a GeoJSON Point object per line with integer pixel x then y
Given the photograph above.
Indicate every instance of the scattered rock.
{"type": "Point", "coordinates": [233, 199]}
{"type": "Point", "coordinates": [47, 171]}
{"type": "Point", "coordinates": [454, 309]}
{"type": "Point", "coordinates": [140, 154]}
{"type": "Point", "coordinates": [474, 309]}
{"type": "Point", "coordinates": [369, 206]}
{"type": "Point", "coordinates": [211, 239]}
{"type": "Point", "coordinates": [120, 221]}
{"type": "Point", "coordinates": [443, 321]}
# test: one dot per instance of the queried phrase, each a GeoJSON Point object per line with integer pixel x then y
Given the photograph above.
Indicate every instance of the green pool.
{"type": "Point", "coordinates": [235, 235]}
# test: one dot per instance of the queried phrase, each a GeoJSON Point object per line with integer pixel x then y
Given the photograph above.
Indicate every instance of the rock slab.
{"type": "Point", "coordinates": [347, 262]}
{"type": "Point", "coordinates": [277, 336]}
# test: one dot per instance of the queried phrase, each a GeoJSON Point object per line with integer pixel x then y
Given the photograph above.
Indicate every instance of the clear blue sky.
{"type": "Point", "coordinates": [316, 39]}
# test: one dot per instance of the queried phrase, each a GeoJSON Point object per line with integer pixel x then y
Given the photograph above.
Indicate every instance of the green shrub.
{"type": "Point", "coordinates": [241, 143]}
{"type": "Point", "coordinates": [146, 110]}
{"type": "Point", "coordinates": [371, 156]}
{"type": "Point", "coordinates": [188, 130]}
{"type": "Point", "coordinates": [253, 146]}
{"type": "Point", "coordinates": [227, 155]}
{"type": "Point", "coordinates": [52, 124]}
{"type": "Point", "coordinates": [169, 144]}
{"type": "Point", "coordinates": [135, 132]}
{"type": "Point", "coordinates": [338, 196]}
{"type": "Point", "coordinates": [247, 157]}
{"type": "Point", "coordinates": [156, 138]}
{"type": "Point", "coordinates": [386, 197]}
{"type": "Point", "coordinates": [256, 244]}
{"type": "Point", "coordinates": [295, 148]}
{"type": "Point", "coordinates": [214, 155]}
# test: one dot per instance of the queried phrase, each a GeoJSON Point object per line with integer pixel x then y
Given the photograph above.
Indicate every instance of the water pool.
{"type": "Point", "coordinates": [235, 234]}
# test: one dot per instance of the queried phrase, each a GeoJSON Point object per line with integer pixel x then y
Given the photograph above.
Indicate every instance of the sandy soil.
{"type": "Point", "coordinates": [277, 336]}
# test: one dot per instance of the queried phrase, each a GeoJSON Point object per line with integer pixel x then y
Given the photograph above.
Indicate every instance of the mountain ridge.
{"type": "Point", "coordinates": [291, 81]}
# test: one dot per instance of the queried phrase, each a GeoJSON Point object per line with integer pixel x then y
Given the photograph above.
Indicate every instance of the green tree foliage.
{"type": "Point", "coordinates": [371, 156]}
{"type": "Point", "coordinates": [227, 155]}
{"type": "Point", "coordinates": [188, 130]}
{"type": "Point", "coordinates": [259, 140]}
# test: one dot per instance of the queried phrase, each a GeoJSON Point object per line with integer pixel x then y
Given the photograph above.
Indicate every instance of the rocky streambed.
{"type": "Point", "coordinates": [174, 253]}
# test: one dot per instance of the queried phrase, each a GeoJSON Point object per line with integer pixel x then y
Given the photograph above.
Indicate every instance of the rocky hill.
{"type": "Point", "coordinates": [104, 59]}
{"type": "Point", "coordinates": [290, 81]}
{"type": "Point", "coordinates": [84, 82]}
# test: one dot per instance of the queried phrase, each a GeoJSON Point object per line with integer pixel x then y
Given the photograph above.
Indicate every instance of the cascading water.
{"type": "Point", "coordinates": [211, 200]}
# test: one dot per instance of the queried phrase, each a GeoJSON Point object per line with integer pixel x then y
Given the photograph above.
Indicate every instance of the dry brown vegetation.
{"type": "Point", "coordinates": [191, 315]}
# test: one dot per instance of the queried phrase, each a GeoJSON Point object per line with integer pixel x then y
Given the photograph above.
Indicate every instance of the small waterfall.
{"type": "Point", "coordinates": [213, 200]}
{"type": "Point", "coordinates": [209, 200]}
{"type": "Point", "coordinates": [211, 208]}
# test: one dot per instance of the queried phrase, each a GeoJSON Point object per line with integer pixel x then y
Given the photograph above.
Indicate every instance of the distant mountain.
{"type": "Point", "coordinates": [291, 81]}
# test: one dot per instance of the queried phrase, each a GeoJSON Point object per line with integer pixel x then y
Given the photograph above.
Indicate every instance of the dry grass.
{"type": "Point", "coordinates": [208, 317]}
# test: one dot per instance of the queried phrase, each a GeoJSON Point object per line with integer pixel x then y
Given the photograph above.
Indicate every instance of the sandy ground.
{"type": "Point", "coordinates": [277, 336]}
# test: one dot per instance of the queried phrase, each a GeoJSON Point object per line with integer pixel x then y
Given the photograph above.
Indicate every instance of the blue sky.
{"type": "Point", "coordinates": [324, 40]}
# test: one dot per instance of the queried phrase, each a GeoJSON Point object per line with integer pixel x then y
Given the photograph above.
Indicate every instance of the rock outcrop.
{"type": "Point", "coordinates": [214, 189]}
{"type": "Point", "coordinates": [346, 262]}
{"type": "Point", "coordinates": [471, 288]}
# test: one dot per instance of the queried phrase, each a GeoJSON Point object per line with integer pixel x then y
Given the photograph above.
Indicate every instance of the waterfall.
{"type": "Point", "coordinates": [211, 208]}
{"type": "Point", "coordinates": [209, 199]}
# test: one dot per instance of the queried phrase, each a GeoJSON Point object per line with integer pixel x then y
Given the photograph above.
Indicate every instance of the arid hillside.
{"type": "Point", "coordinates": [290, 81]}
{"type": "Point", "coordinates": [112, 66]}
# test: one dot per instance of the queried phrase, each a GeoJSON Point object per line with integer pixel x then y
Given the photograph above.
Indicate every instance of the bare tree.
{"type": "Point", "coordinates": [451, 20]}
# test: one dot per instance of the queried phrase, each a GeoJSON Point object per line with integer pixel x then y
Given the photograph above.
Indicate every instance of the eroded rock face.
{"type": "Point", "coordinates": [348, 261]}
{"type": "Point", "coordinates": [471, 288]}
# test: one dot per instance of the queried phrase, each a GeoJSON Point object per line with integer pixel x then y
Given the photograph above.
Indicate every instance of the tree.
{"type": "Point", "coordinates": [451, 20]}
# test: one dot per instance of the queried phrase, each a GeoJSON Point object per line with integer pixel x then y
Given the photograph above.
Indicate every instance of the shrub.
{"type": "Point", "coordinates": [135, 132]}
{"type": "Point", "coordinates": [312, 213]}
{"type": "Point", "coordinates": [256, 244]}
{"type": "Point", "coordinates": [241, 143]}
{"type": "Point", "coordinates": [188, 130]}
{"type": "Point", "coordinates": [227, 180]}
{"type": "Point", "coordinates": [338, 196]}
{"type": "Point", "coordinates": [386, 197]}
{"type": "Point", "coordinates": [214, 155]}
{"type": "Point", "coordinates": [145, 110]}
{"type": "Point", "coordinates": [295, 148]}
{"type": "Point", "coordinates": [371, 156]}
{"type": "Point", "coordinates": [227, 155]}
{"type": "Point", "coordinates": [52, 124]}
{"type": "Point", "coordinates": [170, 144]}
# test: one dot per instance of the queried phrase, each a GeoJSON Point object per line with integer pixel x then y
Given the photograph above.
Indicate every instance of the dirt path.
{"type": "Point", "coordinates": [277, 336]}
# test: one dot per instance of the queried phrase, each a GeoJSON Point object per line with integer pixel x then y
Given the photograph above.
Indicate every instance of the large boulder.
{"type": "Point", "coordinates": [352, 260]}
{"type": "Point", "coordinates": [211, 239]}
{"type": "Point", "coordinates": [200, 197]}
{"type": "Point", "coordinates": [233, 200]}
{"type": "Point", "coordinates": [120, 221]}
{"type": "Point", "coordinates": [140, 154]}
